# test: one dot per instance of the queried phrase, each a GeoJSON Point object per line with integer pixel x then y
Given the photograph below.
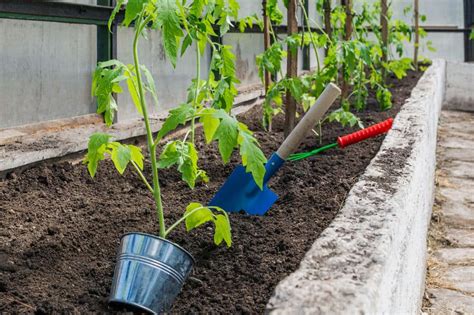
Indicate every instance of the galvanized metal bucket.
{"type": "Point", "coordinates": [149, 273]}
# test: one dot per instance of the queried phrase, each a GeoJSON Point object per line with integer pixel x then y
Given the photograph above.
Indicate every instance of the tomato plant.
{"type": "Point", "coordinates": [355, 57]}
{"type": "Point", "coordinates": [209, 101]}
{"type": "Point", "coordinates": [307, 87]}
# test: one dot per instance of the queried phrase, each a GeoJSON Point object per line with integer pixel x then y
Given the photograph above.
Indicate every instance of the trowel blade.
{"type": "Point", "coordinates": [240, 192]}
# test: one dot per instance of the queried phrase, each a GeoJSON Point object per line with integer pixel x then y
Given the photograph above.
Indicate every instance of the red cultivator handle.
{"type": "Point", "coordinates": [366, 133]}
{"type": "Point", "coordinates": [349, 139]}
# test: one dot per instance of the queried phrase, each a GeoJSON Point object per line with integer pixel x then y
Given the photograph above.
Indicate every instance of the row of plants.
{"type": "Point", "coordinates": [190, 27]}
{"type": "Point", "coordinates": [358, 54]}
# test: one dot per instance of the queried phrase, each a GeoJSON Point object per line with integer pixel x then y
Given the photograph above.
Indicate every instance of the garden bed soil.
{"type": "Point", "coordinates": [60, 229]}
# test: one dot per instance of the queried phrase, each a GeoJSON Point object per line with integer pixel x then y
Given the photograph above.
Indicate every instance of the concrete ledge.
{"type": "Point", "coordinates": [29, 144]}
{"type": "Point", "coordinates": [371, 259]}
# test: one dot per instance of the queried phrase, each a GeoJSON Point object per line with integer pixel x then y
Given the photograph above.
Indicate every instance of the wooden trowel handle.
{"type": "Point", "coordinates": [315, 113]}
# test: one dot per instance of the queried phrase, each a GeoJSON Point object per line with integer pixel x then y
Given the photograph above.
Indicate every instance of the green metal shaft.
{"type": "Point", "coordinates": [304, 155]}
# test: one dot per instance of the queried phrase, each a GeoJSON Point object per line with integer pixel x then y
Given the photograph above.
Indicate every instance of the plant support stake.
{"type": "Point", "coordinates": [417, 34]}
{"type": "Point", "coordinates": [384, 28]}
{"type": "Point", "coordinates": [291, 70]}
{"type": "Point", "coordinates": [347, 37]}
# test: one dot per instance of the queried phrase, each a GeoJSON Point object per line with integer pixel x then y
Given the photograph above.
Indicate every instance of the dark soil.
{"type": "Point", "coordinates": [59, 228]}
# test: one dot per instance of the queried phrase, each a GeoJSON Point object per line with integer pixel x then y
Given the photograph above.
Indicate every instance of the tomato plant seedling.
{"type": "Point", "coordinates": [209, 101]}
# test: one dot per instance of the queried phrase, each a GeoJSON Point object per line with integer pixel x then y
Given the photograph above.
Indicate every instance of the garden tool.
{"type": "Point", "coordinates": [240, 192]}
{"type": "Point", "coordinates": [349, 139]}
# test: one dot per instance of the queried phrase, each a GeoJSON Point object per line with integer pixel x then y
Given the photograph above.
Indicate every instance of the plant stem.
{"type": "Point", "coordinates": [275, 39]}
{"type": "Point", "coordinates": [417, 34]}
{"type": "Point", "coordinates": [291, 69]}
{"type": "Point", "coordinates": [174, 225]}
{"type": "Point", "coordinates": [308, 26]}
{"type": "Point", "coordinates": [139, 172]}
{"type": "Point", "coordinates": [196, 92]}
{"type": "Point", "coordinates": [151, 144]}
{"type": "Point", "coordinates": [320, 132]}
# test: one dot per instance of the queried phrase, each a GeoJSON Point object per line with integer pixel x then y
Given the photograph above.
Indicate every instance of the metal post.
{"type": "Point", "coordinates": [306, 49]}
{"type": "Point", "coordinates": [106, 41]}
{"type": "Point", "coordinates": [417, 34]}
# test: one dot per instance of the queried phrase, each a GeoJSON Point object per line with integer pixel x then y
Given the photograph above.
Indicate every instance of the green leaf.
{"type": "Point", "coordinates": [188, 166]}
{"type": "Point", "coordinates": [252, 157]}
{"type": "Point", "coordinates": [120, 155]}
{"type": "Point", "coordinates": [345, 117]}
{"type": "Point", "coordinates": [117, 8]}
{"type": "Point", "coordinates": [307, 101]}
{"type": "Point", "coordinates": [400, 67]}
{"type": "Point", "coordinates": [96, 149]}
{"type": "Point", "coordinates": [242, 25]}
{"type": "Point", "coordinates": [187, 41]}
{"type": "Point", "coordinates": [384, 97]}
{"type": "Point", "coordinates": [471, 36]}
{"type": "Point", "coordinates": [136, 155]}
{"type": "Point", "coordinates": [209, 123]}
{"type": "Point", "coordinates": [185, 156]}
{"type": "Point", "coordinates": [222, 230]}
{"type": "Point", "coordinates": [226, 134]}
{"type": "Point", "coordinates": [293, 42]}
{"type": "Point", "coordinates": [177, 116]}
{"type": "Point", "coordinates": [295, 86]}
{"type": "Point", "coordinates": [150, 85]}
{"type": "Point", "coordinates": [116, 88]}
{"type": "Point", "coordinates": [196, 7]}
{"type": "Point", "coordinates": [196, 215]}
{"type": "Point", "coordinates": [169, 156]}
{"type": "Point", "coordinates": [132, 85]}
{"type": "Point", "coordinates": [110, 63]}
{"type": "Point", "coordinates": [133, 9]}
{"type": "Point", "coordinates": [199, 215]}
{"type": "Point", "coordinates": [168, 20]}
{"type": "Point", "coordinates": [273, 12]}
{"type": "Point", "coordinates": [228, 59]}
{"type": "Point", "coordinates": [103, 85]}
{"type": "Point", "coordinates": [271, 60]}
{"type": "Point", "coordinates": [109, 110]}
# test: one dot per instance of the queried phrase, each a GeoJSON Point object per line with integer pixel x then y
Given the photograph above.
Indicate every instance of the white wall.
{"type": "Point", "coordinates": [45, 71]}
{"type": "Point", "coordinates": [171, 83]}
{"type": "Point", "coordinates": [45, 68]}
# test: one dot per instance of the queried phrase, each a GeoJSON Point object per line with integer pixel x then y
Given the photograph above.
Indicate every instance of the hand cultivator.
{"type": "Point", "coordinates": [347, 140]}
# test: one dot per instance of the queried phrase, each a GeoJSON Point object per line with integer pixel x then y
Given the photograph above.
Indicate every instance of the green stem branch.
{"type": "Point", "coordinates": [143, 178]}
{"type": "Point", "coordinates": [196, 92]}
{"type": "Point", "coordinates": [308, 26]}
{"type": "Point", "coordinates": [177, 223]}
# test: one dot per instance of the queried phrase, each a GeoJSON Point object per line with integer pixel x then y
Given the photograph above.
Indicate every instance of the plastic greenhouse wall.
{"type": "Point", "coordinates": [46, 67]}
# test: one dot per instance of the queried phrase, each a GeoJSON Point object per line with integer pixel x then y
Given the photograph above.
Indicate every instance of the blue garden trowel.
{"type": "Point", "coordinates": [240, 192]}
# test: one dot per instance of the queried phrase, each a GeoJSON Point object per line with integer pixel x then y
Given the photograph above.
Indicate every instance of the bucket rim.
{"type": "Point", "coordinates": [164, 240]}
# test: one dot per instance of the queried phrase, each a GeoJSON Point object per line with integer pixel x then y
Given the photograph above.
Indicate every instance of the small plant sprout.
{"type": "Point", "coordinates": [209, 102]}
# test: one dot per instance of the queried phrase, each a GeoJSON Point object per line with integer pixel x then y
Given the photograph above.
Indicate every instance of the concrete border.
{"type": "Point", "coordinates": [23, 146]}
{"type": "Point", "coordinates": [372, 258]}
